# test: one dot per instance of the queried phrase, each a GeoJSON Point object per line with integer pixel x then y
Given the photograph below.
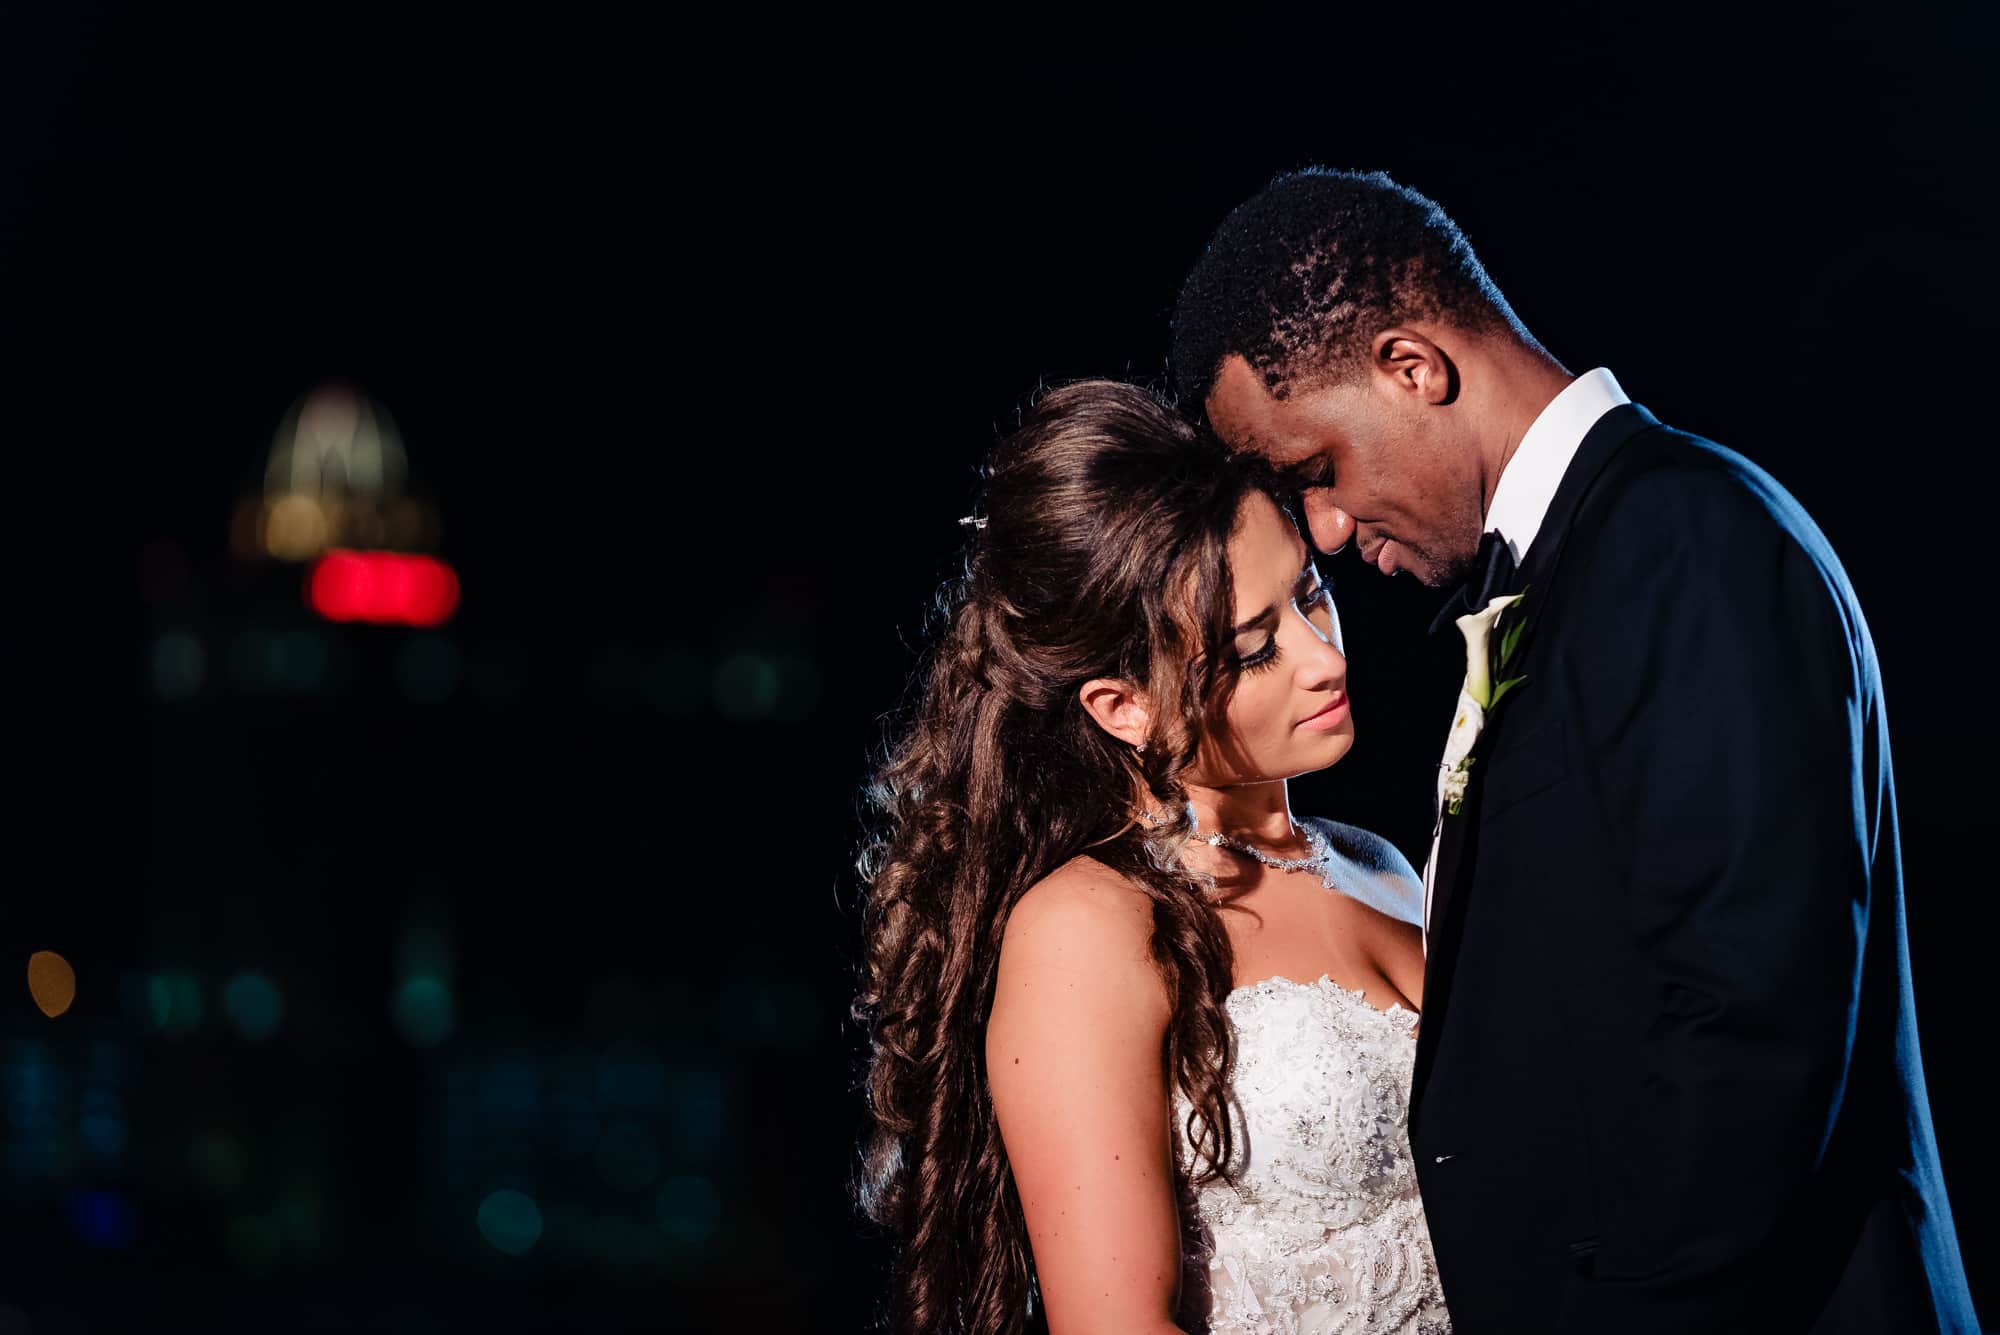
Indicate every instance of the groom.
{"type": "Point", "coordinates": [1668, 1078]}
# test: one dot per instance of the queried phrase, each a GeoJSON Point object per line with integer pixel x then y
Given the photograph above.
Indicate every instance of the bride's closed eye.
{"type": "Point", "coordinates": [1318, 598]}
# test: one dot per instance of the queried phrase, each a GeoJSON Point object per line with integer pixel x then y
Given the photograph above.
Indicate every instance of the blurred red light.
{"type": "Point", "coordinates": [392, 588]}
{"type": "Point", "coordinates": [434, 591]}
{"type": "Point", "coordinates": [388, 588]}
{"type": "Point", "coordinates": [332, 585]}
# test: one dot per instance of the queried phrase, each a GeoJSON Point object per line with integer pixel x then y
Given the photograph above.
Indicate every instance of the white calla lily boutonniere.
{"type": "Point", "coordinates": [1486, 664]}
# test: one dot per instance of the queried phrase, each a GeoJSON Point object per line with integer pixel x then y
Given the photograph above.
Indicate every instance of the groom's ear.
{"type": "Point", "coordinates": [1408, 362]}
{"type": "Point", "coordinates": [1117, 707]}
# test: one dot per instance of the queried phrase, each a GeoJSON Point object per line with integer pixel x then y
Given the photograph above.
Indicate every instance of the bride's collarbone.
{"type": "Point", "coordinates": [1335, 941]}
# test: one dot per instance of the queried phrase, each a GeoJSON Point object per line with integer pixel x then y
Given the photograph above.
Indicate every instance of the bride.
{"type": "Point", "coordinates": [1141, 1038]}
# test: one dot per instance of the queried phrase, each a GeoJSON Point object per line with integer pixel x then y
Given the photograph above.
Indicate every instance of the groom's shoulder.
{"type": "Point", "coordinates": [1674, 484]}
{"type": "Point", "coordinates": [1701, 521]}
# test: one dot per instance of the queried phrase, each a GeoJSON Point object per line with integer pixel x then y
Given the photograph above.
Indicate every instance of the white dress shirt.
{"type": "Point", "coordinates": [1529, 481]}
{"type": "Point", "coordinates": [1521, 500]}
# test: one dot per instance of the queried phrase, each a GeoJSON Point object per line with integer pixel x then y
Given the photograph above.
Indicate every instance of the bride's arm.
{"type": "Point", "coordinates": [1074, 1061]}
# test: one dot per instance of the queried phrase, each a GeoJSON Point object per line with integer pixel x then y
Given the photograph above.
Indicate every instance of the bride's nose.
{"type": "Point", "coordinates": [1322, 663]}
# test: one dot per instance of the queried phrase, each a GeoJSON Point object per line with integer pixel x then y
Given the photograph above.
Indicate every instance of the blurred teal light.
{"type": "Point", "coordinates": [306, 658]}
{"type": "Point", "coordinates": [689, 1209]}
{"type": "Point", "coordinates": [254, 1005]}
{"type": "Point", "coordinates": [295, 662]}
{"type": "Point", "coordinates": [747, 687]}
{"type": "Point", "coordinates": [178, 666]}
{"type": "Point", "coordinates": [424, 1011]}
{"type": "Point", "coordinates": [425, 945]}
{"type": "Point", "coordinates": [699, 1109]}
{"type": "Point", "coordinates": [301, 1217]}
{"type": "Point", "coordinates": [752, 686]}
{"type": "Point", "coordinates": [511, 1087]}
{"type": "Point", "coordinates": [102, 1123]}
{"type": "Point", "coordinates": [633, 1075]}
{"type": "Point", "coordinates": [172, 1003]}
{"type": "Point", "coordinates": [510, 1220]}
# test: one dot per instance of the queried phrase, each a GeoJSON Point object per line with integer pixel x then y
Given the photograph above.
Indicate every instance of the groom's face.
{"type": "Point", "coordinates": [1371, 467]}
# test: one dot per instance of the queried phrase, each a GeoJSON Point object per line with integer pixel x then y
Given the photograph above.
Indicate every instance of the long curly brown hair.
{"type": "Point", "coordinates": [1104, 553]}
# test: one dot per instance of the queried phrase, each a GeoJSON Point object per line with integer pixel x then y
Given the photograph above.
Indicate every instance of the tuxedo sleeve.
{"type": "Point", "coordinates": [1719, 695]}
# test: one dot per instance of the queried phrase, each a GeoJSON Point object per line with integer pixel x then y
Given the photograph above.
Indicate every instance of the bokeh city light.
{"type": "Point", "coordinates": [51, 981]}
{"type": "Point", "coordinates": [385, 588]}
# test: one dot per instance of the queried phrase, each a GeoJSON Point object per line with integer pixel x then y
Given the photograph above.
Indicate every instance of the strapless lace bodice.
{"type": "Point", "coordinates": [1323, 1230]}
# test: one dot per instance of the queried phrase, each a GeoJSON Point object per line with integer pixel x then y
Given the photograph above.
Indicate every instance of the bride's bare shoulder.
{"type": "Point", "coordinates": [1082, 907]}
{"type": "Point", "coordinates": [1081, 935]}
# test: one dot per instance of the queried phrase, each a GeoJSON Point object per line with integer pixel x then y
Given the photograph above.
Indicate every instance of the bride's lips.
{"type": "Point", "coordinates": [1330, 717]}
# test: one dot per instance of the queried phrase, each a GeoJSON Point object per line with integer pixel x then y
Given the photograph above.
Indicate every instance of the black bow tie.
{"type": "Point", "coordinates": [1492, 573]}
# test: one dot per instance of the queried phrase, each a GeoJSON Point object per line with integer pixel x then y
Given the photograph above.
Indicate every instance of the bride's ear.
{"type": "Point", "coordinates": [1116, 706]}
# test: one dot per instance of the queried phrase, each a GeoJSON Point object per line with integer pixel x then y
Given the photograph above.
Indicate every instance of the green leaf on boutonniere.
{"type": "Point", "coordinates": [1500, 691]}
{"type": "Point", "coordinates": [1512, 638]}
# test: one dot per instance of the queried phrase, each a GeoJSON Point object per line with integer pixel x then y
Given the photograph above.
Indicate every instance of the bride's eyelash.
{"type": "Point", "coordinates": [1268, 655]}
{"type": "Point", "coordinates": [1262, 659]}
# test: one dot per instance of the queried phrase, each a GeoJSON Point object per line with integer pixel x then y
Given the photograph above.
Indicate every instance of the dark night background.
{"type": "Point", "coordinates": [695, 342]}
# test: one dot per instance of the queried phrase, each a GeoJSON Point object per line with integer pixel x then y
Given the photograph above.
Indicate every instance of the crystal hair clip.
{"type": "Point", "coordinates": [973, 521]}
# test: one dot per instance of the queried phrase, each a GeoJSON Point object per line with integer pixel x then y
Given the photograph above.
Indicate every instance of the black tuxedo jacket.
{"type": "Point", "coordinates": [1668, 1078]}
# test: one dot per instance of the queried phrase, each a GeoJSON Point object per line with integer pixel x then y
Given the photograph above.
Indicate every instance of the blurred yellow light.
{"type": "Point", "coordinates": [51, 982]}
{"type": "Point", "coordinates": [295, 528]}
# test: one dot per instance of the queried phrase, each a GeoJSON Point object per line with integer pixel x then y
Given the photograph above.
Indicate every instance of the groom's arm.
{"type": "Point", "coordinates": [1718, 691]}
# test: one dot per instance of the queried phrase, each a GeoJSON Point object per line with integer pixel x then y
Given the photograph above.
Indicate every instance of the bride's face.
{"type": "Point", "coordinates": [1288, 712]}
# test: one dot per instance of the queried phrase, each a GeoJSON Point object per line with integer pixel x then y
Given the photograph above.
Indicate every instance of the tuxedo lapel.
{"type": "Point", "coordinates": [1458, 840]}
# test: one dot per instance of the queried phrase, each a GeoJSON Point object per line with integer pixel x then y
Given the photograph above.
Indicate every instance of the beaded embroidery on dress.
{"type": "Point", "coordinates": [1323, 1230]}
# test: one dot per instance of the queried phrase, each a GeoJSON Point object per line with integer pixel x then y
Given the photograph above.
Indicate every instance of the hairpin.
{"type": "Point", "coordinates": [973, 521]}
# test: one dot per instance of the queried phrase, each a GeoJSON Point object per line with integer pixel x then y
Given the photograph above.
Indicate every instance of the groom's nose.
{"type": "Point", "coordinates": [1332, 527]}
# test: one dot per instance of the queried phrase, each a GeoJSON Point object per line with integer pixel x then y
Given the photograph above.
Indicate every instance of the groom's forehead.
{"type": "Point", "coordinates": [1250, 418]}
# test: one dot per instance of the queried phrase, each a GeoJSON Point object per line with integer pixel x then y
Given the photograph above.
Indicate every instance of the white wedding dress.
{"type": "Point", "coordinates": [1323, 1230]}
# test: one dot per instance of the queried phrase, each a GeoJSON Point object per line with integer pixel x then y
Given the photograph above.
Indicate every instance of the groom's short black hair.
{"type": "Point", "coordinates": [1301, 275]}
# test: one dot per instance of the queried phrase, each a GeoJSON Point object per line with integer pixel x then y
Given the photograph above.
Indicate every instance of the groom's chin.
{"type": "Point", "coordinates": [1446, 573]}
